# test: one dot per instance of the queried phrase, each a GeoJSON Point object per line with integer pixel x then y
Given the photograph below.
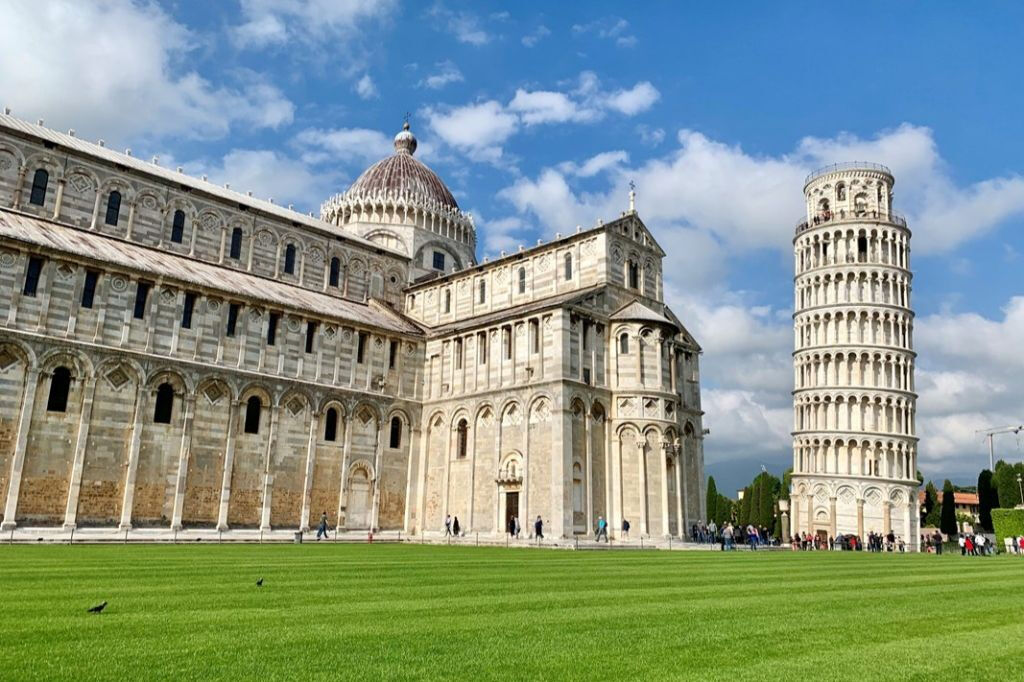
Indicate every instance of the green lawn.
{"type": "Point", "coordinates": [367, 612]}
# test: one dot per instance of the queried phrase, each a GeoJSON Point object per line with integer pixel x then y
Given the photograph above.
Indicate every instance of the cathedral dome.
{"type": "Point", "coordinates": [402, 176]}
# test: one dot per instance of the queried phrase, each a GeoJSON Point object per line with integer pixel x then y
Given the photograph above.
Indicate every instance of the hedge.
{"type": "Point", "coordinates": [1007, 523]}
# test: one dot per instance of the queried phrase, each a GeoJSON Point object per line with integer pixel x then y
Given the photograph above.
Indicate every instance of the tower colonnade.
{"type": "Point", "coordinates": [854, 405]}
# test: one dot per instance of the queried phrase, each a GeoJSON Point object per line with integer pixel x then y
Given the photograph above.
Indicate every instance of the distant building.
{"type": "Point", "coordinates": [179, 355]}
{"type": "Point", "coordinates": [963, 503]}
{"type": "Point", "coordinates": [854, 405]}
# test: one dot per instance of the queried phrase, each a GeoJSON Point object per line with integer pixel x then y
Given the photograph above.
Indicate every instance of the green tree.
{"type": "Point", "coordinates": [985, 499]}
{"type": "Point", "coordinates": [724, 510]}
{"type": "Point", "coordinates": [756, 486]}
{"type": "Point", "coordinates": [712, 500]}
{"type": "Point", "coordinates": [787, 483]}
{"type": "Point", "coordinates": [744, 515]}
{"type": "Point", "coordinates": [948, 522]}
{"type": "Point", "coordinates": [931, 500]}
{"type": "Point", "coordinates": [1005, 480]}
{"type": "Point", "coordinates": [770, 487]}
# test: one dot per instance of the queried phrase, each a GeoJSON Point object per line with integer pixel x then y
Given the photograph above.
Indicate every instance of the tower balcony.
{"type": "Point", "coordinates": [850, 216]}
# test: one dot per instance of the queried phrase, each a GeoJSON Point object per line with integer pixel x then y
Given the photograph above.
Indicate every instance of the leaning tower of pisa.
{"type": "Point", "coordinates": [854, 441]}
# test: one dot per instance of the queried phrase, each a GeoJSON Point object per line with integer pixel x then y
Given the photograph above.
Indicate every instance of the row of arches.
{"type": "Point", "coordinates": [443, 221]}
{"type": "Point", "coordinates": [866, 458]}
{"type": "Point", "coordinates": [853, 287]}
{"type": "Point", "coordinates": [861, 327]}
{"type": "Point", "coordinates": [869, 370]}
{"type": "Point", "coordinates": [841, 247]}
{"type": "Point", "coordinates": [855, 412]}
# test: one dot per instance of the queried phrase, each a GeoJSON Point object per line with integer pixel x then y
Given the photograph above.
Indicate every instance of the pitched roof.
{"type": "Point", "coordinates": [517, 311]}
{"type": "Point", "coordinates": [638, 312]}
{"type": "Point", "coordinates": [80, 243]}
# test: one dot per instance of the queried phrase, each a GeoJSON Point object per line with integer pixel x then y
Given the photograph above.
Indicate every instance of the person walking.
{"type": "Point", "coordinates": [447, 525]}
{"type": "Point", "coordinates": [937, 541]}
{"type": "Point", "coordinates": [625, 529]}
{"type": "Point", "coordinates": [538, 529]}
{"type": "Point", "coordinates": [602, 529]}
{"type": "Point", "coordinates": [322, 528]}
{"type": "Point", "coordinates": [712, 532]}
{"type": "Point", "coordinates": [455, 527]}
{"type": "Point", "coordinates": [511, 526]}
{"type": "Point", "coordinates": [963, 545]}
{"type": "Point", "coordinates": [727, 536]}
{"type": "Point", "coordinates": [519, 528]}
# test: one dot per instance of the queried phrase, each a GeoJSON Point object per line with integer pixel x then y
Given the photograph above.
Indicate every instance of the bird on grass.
{"type": "Point", "coordinates": [98, 608]}
{"type": "Point", "coordinates": [259, 583]}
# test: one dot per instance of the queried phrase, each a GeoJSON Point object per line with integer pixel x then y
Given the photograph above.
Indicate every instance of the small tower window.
{"type": "Point", "coordinates": [272, 328]}
{"type": "Point", "coordinates": [32, 274]}
{"type": "Point", "coordinates": [113, 208]}
{"type": "Point", "coordinates": [439, 261]}
{"type": "Point", "coordinates": [331, 425]}
{"type": "Point", "coordinates": [164, 404]}
{"type": "Point", "coordinates": [481, 343]}
{"type": "Point", "coordinates": [252, 414]}
{"type": "Point", "coordinates": [89, 288]}
{"type": "Point", "coordinates": [568, 266]}
{"type": "Point", "coordinates": [447, 300]}
{"type": "Point", "coordinates": [462, 439]}
{"type": "Point", "coordinates": [361, 348]}
{"type": "Point", "coordinates": [632, 274]}
{"type": "Point", "coordinates": [395, 441]}
{"type": "Point", "coordinates": [522, 280]}
{"type": "Point", "coordinates": [624, 343]}
{"type": "Point", "coordinates": [310, 336]}
{"type": "Point", "coordinates": [233, 309]}
{"type": "Point", "coordinates": [39, 182]}
{"type": "Point", "coordinates": [392, 353]}
{"type": "Point", "coordinates": [483, 291]}
{"type": "Point", "coordinates": [236, 244]}
{"type": "Point", "coordinates": [60, 386]}
{"type": "Point", "coordinates": [335, 274]}
{"type": "Point", "coordinates": [186, 313]}
{"type": "Point", "coordinates": [178, 226]}
{"type": "Point", "coordinates": [289, 260]}
{"type": "Point", "coordinates": [141, 296]}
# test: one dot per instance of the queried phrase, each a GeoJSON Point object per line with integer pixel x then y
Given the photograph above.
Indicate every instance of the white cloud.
{"type": "Point", "coordinates": [615, 29]}
{"type": "Point", "coordinates": [365, 88]}
{"type": "Point", "coordinates": [343, 145]}
{"type": "Point", "coordinates": [447, 72]}
{"type": "Point", "coordinates": [640, 97]}
{"type": "Point", "coordinates": [269, 174]}
{"type": "Point", "coordinates": [596, 164]}
{"type": "Point", "coordinates": [479, 130]}
{"type": "Point", "coordinates": [464, 26]}
{"type": "Point", "coordinates": [56, 47]}
{"type": "Point", "coordinates": [545, 106]}
{"type": "Point", "coordinates": [275, 22]}
{"type": "Point", "coordinates": [649, 136]}
{"type": "Point", "coordinates": [538, 34]}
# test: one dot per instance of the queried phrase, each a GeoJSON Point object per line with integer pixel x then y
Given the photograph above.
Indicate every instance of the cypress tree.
{"type": "Point", "coordinates": [769, 496]}
{"type": "Point", "coordinates": [948, 523]}
{"type": "Point", "coordinates": [755, 502]}
{"type": "Point", "coordinates": [744, 515]}
{"type": "Point", "coordinates": [931, 498]}
{"type": "Point", "coordinates": [985, 499]}
{"type": "Point", "coordinates": [712, 501]}
{"type": "Point", "coordinates": [724, 510]}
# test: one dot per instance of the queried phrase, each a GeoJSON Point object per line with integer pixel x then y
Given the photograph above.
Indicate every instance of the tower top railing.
{"type": "Point", "coordinates": [843, 216]}
{"type": "Point", "coordinates": [847, 165]}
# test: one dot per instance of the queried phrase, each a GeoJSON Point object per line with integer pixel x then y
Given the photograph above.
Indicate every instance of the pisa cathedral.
{"type": "Point", "coordinates": [178, 357]}
{"type": "Point", "coordinates": [854, 438]}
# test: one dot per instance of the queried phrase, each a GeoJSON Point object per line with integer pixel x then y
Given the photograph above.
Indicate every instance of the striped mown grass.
{"type": "Point", "coordinates": [386, 611]}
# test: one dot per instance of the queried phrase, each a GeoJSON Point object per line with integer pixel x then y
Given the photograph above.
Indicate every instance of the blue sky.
{"type": "Point", "coordinates": [539, 114]}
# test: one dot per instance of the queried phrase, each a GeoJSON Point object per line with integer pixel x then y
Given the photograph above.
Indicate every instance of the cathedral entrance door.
{"type": "Point", "coordinates": [511, 509]}
{"type": "Point", "coordinates": [359, 501]}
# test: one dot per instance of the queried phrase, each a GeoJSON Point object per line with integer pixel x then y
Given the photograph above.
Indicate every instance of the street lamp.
{"type": "Point", "coordinates": [1021, 488]}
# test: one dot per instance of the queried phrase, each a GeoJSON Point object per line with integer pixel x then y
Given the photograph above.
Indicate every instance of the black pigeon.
{"type": "Point", "coordinates": [98, 608]}
{"type": "Point", "coordinates": [259, 583]}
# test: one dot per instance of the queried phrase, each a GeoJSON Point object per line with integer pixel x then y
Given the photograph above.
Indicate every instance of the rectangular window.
{"type": "Point", "coordinates": [458, 353]}
{"type": "Point", "coordinates": [506, 340]}
{"type": "Point", "coordinates": [310, 335]}
{"type": "Point", "coordinates": [89, 288]}
{"type": "Point", "coordinates": [439, 261]}
{"type": "Point", "coordinates": [586, 376]}
{"type": "Point", "coordinates": [141, 296]}
{"type": "Point", "coordinates": [481, 342]}
{"type": "Point", "coordinates": [534, 336]}
{"type": "Point", "coordinates": [586, 334]}
{"type": "Point", "coordinates": [392, 354]}
{"type": "Point", "coordinates": [186, 313]}
{"type": "Point", "coordinates": [361, 347]}
{"type": "Point", "coordinates": [32, 272]}
{"type": "Point", "coordinates": [232, 317]}
{"type": "Point", "coordinates": [271, 329]}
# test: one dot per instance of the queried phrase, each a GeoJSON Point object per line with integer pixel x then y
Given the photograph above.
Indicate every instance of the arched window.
{"type": "Point", "coordinates": [236, 244]}
{"type": "Point", "coordinates": [568, 266]}
{"type": "Point", "coordinates": [289, 260]}
{"type": "Point", "coordinates": [331, 425]}
{"type": "Point", "coordinates": [860, 204]}
{"type": "Point", "coordinates": [396, 433]}
{"type": "Point", "coordinates": [335, 275]}
{"type": "Point", "coordinates": [164, 404]}
{"type": "Point", "coordinates": [178, 226]}
{"type": "Point", "coordinates": [39, 182]}
{"type": "Point", "coordinates": [447, 300]}
{"type": "Point", "coordinates": [632, 274]}
{"type": "Point", "coordinates": [483, 291]}
{"type": "Point", "coordinates": [60, 385]}
{"type": "Point", "coordinates": [840, 192]}
{"type": "Point", "coordinates": [252, 414]}
{"type": "Point", "coordinates": [113, 208]}
{"type": "Point", "coordinates": [463, 439]}
{"type": "Point", "coordinates": [624, 343]}
{"type": "Point", "coordinates": [522, 280]}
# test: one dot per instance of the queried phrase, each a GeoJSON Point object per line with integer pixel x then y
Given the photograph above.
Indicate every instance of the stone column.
{"type": "Point", "coordinates": [472, 473]}
{"type": "Point", "coordinates": [615, 503]}
{"type": "Point", "coordinates": [131, 221]}
{"type": "Point", "coordinates": [414, 437]}
{"type": "Point", "coordinates": [832, 516]}
{"type": "Point", "coordinates": [18, 189]}
{"type": "Point", "coordinates": [307, 486]}
{"type": "Point", "coordinates": [664, 493]}
{"type": "Point", "coordinates": [886, 517]}
{"type": "Point", "coordinates": [645, 528]}
{"type": "Point", "coordinates": [184, 453]}
{"type": "Point", "coordinates": [132, 465]}
{"type": "Point", "coordinates": [344, 472]}
{"type": "Point", "coordinates": [75, 486]}
{"type": "Point", "coordinates": [229, 462]}
{"type": "Point", "coordinates": [860, 519]}
{"type": "Point", "coordinates": [377, 475]}
{"type": "Point", "coordinates": [59, 200]}
{"type": "Point", "coordinates": [809, 512]}
{"type": "Point", "coordinates": [20, 443]}
{"type": "Point", "coordinates": [268, 477]}
{"type": "Point", "coordinates": [588, 505]}
{"type": "Point", "coordinates": [95, 210]}
{"type": "Point", "coordinates": [452, 434]}
{"type": "Point", "coordinates": [680, 495]}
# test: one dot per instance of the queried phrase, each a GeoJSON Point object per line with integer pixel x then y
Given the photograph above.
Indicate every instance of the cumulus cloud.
{"type": "Point", "coordinates": [465, 27]}
{"type": "Point", "coordinates": [343, 145]}
{"type": "Point", "coordinates": [615, 29]}
{"type": "Point", "coordinates": [596, 164]}
{"type": "Point", "coordinates": [57, 47]}
{"type": "Point", "coordinates": [631, 102]}
{"type": "Point", "coordinates": [275, 22]}
{"type": "Point", "coordinates": [447, 72]}
{"type": "Point", "coordinates": [366, 88]}
{"type": "Point", "coordinates": [271, 175]}
{"type": "Point", "coordinates": [479, 129]}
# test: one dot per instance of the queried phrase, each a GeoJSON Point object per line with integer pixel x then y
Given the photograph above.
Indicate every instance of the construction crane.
{"type": "Point", "coordinates": [989, 433]}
